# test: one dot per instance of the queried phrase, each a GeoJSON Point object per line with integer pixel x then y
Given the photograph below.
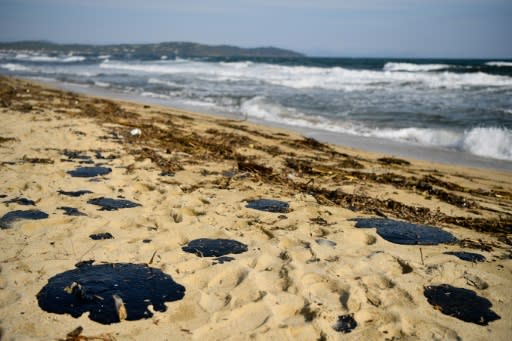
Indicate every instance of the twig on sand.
{"type": "Point", "coordinates": [152, 258]}
{"type": "Point", "coordinates": [76, 335]}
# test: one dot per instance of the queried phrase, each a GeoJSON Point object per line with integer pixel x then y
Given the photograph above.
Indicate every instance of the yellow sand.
{"type": "Point", "coordinates": [286, 286]}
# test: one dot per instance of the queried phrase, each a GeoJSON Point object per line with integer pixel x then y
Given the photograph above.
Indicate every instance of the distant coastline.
{"type": "Point", "coordinates": [158, 50]}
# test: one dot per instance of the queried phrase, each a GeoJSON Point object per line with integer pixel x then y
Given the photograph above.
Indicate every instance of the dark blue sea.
{"type": "Point", "coordinates": [460, 106]}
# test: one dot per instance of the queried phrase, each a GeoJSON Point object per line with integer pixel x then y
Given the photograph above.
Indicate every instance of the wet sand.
{"type": "Point", "coordinates": [308, 273]}
{"type": "Point", "coordinates": [373, 144]}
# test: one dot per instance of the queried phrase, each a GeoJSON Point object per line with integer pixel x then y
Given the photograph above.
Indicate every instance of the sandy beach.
{"type": "Point", "coordinates": [308, 273]}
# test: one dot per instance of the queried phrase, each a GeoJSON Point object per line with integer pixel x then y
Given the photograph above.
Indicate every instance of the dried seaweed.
{"type": "Point", "coordinates": [166, 165]}
{"type": "Point", "coordinates": [75, 155]}
{"type": "Point", "coordinates": [350, 163]}
{"type": "Point", "coordinates": [6, 139]}
{"type": "Point", "coordinates": [301, 166]}
{"type": "Point", "coordinates": [428, 184]}
{"type": "Point", "coordinates": [255, 168]}
{"type": "Point", "coordinates": [37, 160]}
{"type": "Point", "coordinates": [76, 335]}
{"type": "Point", "coordinates": [393, 161]}
{"type": "Point", "coordinates": [23, 107]}
{"type": "Point", "coordinates": [229, 124]}
{"type": "Point", "coordinates": [423, 185]}
{"type": "Point", "coordinates": [7, 93]}
{"type": "Point", "coordinates": [107, 110]}
{"type": "Point", "coordinates": [503, 225]}
{"type": "Point", "coordinates": [309, 143]}
{"type": "Point", "coordinates": [477, 244]}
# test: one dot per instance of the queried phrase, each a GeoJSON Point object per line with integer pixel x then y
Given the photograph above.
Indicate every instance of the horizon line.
{"type": "Point", "coordinates": [304, 53]}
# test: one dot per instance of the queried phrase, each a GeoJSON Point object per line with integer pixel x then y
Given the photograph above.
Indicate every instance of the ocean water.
{"type": "Point", "coordinates": [458, 106]}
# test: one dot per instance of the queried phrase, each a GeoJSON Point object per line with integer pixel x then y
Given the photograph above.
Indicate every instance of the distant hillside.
{"type": "Point", "coordinates": [169, 49]}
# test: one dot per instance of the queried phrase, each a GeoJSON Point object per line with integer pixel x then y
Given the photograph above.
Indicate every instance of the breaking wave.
{"type": "Point", "coordinates": [421, 102]}
{"type": "Point", "coordinates": [304, 77]}
{"type": "Point", "coordinates": [410, 67]}
{"type": "Point", "coordinates": [49, 59]}
{"type": "Point", "coordinates": [163, 82]}
{"type": "Point", "coordinates": [14, 67]}
{"type": "Point", "coordinates": [499, 64]}
{"type": "Point", "coordinates": [492, 142]}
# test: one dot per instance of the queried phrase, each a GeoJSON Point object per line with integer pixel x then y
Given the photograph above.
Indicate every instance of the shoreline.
{"type": "Point", "coordinates": [308, 269]}
{"type": "Point", "coordinates": [371, 144]}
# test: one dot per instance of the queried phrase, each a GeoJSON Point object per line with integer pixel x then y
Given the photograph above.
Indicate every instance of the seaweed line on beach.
{"type": "Point", "coordinates": [167, 142]}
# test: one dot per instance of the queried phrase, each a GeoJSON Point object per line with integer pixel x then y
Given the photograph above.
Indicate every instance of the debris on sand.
{"type": "Point", "coordinates": [401, 232]}
{"type": "Point", "coordinates": [269, 205]}
{"type": "Point", "coordinates": [10, 218]}
{"type": "Point", "coordinates": [89, 172]}
{"type": "Point", "coordinates": [205, 247]}
{"type": "Point", "coordinates": [74, 193]}
{"type": "Point", "coordinates": [94, 288]}
{"type": "Point", "coordinates": [467, 256]}
{"type": "Point", "coordinates": [71, 211]}
{"type": "Point", "coordinates": [20, 201]}
{"type": "Point", "coordinates": [345, 323]}
{"type": "Point", "coordinates": [108, 204]}
{"type": "Point", "coordinates": [101, 236]}
{"type": "Point", "coordinates": [393, 161]}
{"type": "Point", "coordinates": [460, 303]}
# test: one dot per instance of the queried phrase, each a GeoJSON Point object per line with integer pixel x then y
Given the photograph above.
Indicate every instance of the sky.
{"type": "Point", "coordinates": [348, 28]}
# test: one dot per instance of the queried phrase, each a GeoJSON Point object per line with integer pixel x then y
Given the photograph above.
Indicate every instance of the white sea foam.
{"type": "Point", "coordinates": [162, 82]}
{"type": "Point", "coordinates": [422, 136]}
{"type": "Point", "coordinates": [44, 79]}
{"type": "Point", "coordinates": [487, 142]}
{"type": "Point", "coordinates": [49, 59]}
{"type": "Point", "coordinates": [160, 68]}
{"type": "Point", "coordinates": [222, 87]}
{"type": "Point", "coordinates": [490, 142]}
{"type": "Point", "coordinates": [237, 65]}
{"type": "Point", "coordinates": [154, 95]}
{"type": "Point", "coordinates": [196, 104]}
{"type": "Point", "coordinates": [102, 84]}
{"type": "Point", "coordinates": [303, 77]}
{"type": "Point", "coordinates": [502, 64]}
{"type": "Point", "coordinates": [72, 59]}
{"type": "Point", "coordinates": [390, 66]}
{"type": "Point", "coordinates": [14, 67]}
{"type": "Point", "coordinates": [261, 108]}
